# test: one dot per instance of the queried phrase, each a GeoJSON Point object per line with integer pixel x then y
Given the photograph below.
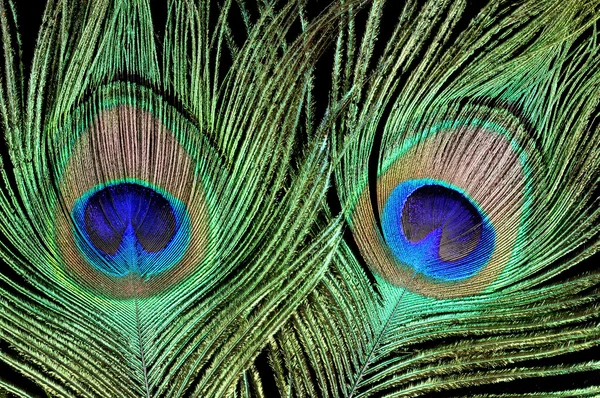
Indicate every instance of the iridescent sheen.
{"type": "Point", "coordinates": [437, 230]}
{"type": "Point", "coordinates": [128, 228]}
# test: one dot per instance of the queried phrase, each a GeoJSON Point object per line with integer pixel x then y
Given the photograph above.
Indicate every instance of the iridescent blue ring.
{"type": "Point", "coordinates": [130, 227]}
{"type": "Point", "coordinates": [437, 229]}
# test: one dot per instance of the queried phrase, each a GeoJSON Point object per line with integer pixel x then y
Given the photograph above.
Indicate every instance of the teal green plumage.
{"type": "Point", "coordinates": [422, 111]}
{"type": "Point", "coordinates": [94, 112]}
{"type": "Point", "coordinates": [189, 214]}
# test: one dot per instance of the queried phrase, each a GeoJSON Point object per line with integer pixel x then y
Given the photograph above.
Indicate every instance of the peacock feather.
{"type": "Point", "coordinates": [362, 198]}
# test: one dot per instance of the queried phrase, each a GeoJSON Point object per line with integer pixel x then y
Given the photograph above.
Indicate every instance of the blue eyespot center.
{"type": "Point", "coordinates": [456, 222]}
{"type": "Point", "coordinates": [139, 212]}
{"type": "Point", "coordinates": [130, 228]}
{"type": "Point", "coordinates": [437, 230]}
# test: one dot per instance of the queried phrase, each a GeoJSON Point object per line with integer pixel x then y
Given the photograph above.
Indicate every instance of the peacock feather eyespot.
{"type": "Point", "coordinates": [451, 200]}
{"type": "Point", "coordinates": [131, 218]}
{"type": "Point", "coordinates": [437, 230]}
{"type": "Point", "coordinates": [129, 228]}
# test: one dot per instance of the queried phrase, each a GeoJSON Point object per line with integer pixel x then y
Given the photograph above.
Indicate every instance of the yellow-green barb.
{"type": "Point", "coordinates": [300, 199]}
